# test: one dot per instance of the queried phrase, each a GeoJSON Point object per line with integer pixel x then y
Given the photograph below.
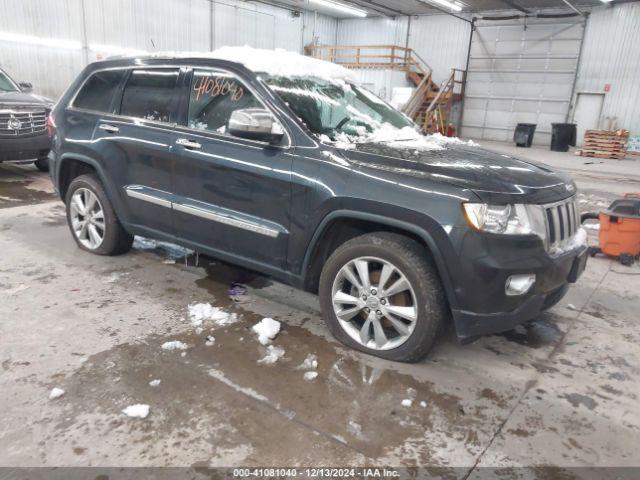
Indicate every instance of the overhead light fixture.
{"type": "Point", "coordinates": [606, 1]}
{"type": "Point", "coordinates": [447, 4]}
{"type": "Point", "coordinates": [340, 7]}
{"type": "Point", "coordinates": [114, 50]}
{"type": "Point", "coordinates": [42, 41]}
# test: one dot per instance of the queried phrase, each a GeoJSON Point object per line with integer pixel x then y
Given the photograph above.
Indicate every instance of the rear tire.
{"type": "Point", "coordinates": [42, 164]}
{"type": "Point", "coordinates": [92, 220]}
{"type": "Point", "coordinates": [420, 297]}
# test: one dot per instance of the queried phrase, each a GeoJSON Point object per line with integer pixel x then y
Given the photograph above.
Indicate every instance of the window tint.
{"type": "Point", "coordinates": [97, 93]}
{"type": "Point", "coordinates": [214, 95]}
{"type": "Point", "coordinates": [151, 94]}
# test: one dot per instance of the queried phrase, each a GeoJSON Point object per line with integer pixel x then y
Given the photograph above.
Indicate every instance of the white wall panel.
{"type": "Point", "coordinates": [150, 25]}
{"type": "Point", "coordinates": [382, 82]}
{"type": "Point", "coordinates": [373, 31]}
{"type": "Point", "coordinates": [611, 55]}
{"type": "Point", "coordinates": [442, 41]}
{"type": "Point", "coordinates": [49, 69]}
{"type": "Point", "coordinates": [319, 29]}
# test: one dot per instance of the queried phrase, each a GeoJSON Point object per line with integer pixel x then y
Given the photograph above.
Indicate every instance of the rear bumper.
{"type": "Point", "coordinates": [492, 311]}
{"type": "Point", "coordinates": [24, 148]}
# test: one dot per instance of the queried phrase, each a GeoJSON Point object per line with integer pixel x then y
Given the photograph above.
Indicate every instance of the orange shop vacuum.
{"type": "Point", "coordinates": [619, 229]}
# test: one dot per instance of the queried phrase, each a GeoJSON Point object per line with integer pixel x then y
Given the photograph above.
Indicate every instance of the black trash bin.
{"type": "Point", "coordinates": [523, 135]}
{"type": "Point", "coordinates": [563, 135]}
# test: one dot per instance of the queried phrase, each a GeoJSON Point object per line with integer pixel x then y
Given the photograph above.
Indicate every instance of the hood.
{"type": "Point", "coordinates": [21, 98]}
{"type": "Point", "coordinates": [494, 177]}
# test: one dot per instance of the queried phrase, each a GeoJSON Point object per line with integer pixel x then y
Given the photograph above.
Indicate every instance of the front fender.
{"type": "Point", "coordinates": [432, 234]}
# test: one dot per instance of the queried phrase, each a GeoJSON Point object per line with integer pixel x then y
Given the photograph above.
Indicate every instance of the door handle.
{"type": "Point", "coordinates": [109, 128]}
{"type": "Point", "coordinates": [188, 144]}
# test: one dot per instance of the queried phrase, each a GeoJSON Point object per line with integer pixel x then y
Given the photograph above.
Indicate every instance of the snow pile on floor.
{"type": "Point", "coordinates": [310, 362]}
{"type": "Point", "coordinates": [56, 393]}
{"type": "Point", "coordinates": [154, 383]}
{"type": "Point", "coordinates": [199, 312]}
{"type": "Point", "coordinates": [267, 329]}
{"type": "Point", "coordinates": [310, 376]}
{"type": "Point", "coordinates": [137, 411]}
{"type": "Point", "coordinates": [273, 355]}
{"type": "Point", "coordinates": [175, 345]}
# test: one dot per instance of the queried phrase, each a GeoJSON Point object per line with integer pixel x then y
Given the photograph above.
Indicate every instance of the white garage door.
{"type": "Point", "coordinates": [520, 74]}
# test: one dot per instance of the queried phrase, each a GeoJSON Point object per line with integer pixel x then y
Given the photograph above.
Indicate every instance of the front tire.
{"type": "Point", "coordinates": [92, 220]}
{"type": "Point", "coordinates": [380, 294]}
{"type": "Point", "coordinates": [42, 164]}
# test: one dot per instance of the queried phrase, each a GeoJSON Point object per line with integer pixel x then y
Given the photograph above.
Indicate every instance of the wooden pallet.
{"type": "Point", "coordinates": [605, 144]}
{"type": "Point", "coordinates": [602, 154]}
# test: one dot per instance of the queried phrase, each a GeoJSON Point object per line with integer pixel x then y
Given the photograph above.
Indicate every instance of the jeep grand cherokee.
{"type": "Point", "coordinates": [283, 165]}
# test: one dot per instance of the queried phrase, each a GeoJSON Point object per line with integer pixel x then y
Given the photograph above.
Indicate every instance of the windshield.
{"type": "Point", "coordinates": [6, 84]}
{"type": "Point", "coordinates": [336, 110]}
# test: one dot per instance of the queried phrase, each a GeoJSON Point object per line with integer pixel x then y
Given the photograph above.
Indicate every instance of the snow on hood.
{"type": "Point", "coordinates": [405, 137]}
{"type": "Point", "coordinates": [278, 62]}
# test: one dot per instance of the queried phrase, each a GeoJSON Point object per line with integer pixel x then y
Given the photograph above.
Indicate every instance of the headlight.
{"type": "Point", "coordinates": [515, 219]}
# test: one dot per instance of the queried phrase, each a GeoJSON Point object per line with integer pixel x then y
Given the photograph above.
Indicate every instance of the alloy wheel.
{"type": "Point", "coordinates": [87, 218]}
{"type": "Point", "coordinates": [375, 303]}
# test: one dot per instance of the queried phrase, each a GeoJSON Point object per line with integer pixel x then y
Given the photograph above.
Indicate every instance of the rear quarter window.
{"type": "Point", "coordinates": [98, 91]}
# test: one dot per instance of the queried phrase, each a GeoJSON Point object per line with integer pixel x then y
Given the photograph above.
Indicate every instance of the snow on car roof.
{"type": "Point", "coordinates": [278, 62]}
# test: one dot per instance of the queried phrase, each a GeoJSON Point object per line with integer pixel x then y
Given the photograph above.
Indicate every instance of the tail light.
{"type": "Point", "coordinates": [51, 125]}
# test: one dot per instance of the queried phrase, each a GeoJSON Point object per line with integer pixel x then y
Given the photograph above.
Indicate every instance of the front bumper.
{"type": "Point", "coordinates": [24, 148]}
{"type": "Point", "coordinates": [484, 308]}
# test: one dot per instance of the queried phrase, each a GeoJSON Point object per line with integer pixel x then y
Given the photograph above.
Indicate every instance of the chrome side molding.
{"type": "Point", "coordinates": [145, 194]}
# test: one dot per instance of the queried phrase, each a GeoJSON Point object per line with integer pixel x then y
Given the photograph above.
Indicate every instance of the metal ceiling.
{"type": "Point", "coordinates": [424, 7]}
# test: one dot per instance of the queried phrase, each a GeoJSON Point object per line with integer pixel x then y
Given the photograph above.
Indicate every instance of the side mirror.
{"type": "Point", "coordinates": [25, 86]}
{"type": "Point", "coordinates": [255, 124]}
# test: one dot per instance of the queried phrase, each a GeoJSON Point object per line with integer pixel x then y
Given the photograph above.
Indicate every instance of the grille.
{"type": "Point", "coordinates": [20, 123]}
{"type": "Point", "coordinates": [563, 221]}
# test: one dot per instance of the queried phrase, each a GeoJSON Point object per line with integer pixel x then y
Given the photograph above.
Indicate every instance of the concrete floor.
{"type": "Point", "coordinates": [561, 391]}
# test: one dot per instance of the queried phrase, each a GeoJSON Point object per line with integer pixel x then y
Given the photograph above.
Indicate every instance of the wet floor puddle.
{"type": "Point", "coordinates": [16, 193]}
{"type": "Point", "coordinates": [538, 333]}
{"type": "Point", "coordinates": [350, 402]}
{"type": "Point", "coordinates": [221, 391]}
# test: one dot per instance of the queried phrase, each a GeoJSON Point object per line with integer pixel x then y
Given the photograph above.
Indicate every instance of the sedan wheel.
{"type": "Point", "coordinates": [87, 218]}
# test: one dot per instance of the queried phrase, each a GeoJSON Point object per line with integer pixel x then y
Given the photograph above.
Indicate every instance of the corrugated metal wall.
{"type": "Point", "coordinates": [151, 25]}
{"type": "Point", "coordinates": [373, 31]}
{"type": "Point", "coordinates": [319, 29]}
{"type": "Point", "coordinates": [49, 69]}
{"type": "Point", "coordinates": [442, 41]}
{"type": "Point", "coordinates": [611, 55]}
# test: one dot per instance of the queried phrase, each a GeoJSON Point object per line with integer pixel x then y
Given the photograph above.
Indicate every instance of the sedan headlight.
{"type": "Point", "coordinates": [517, 219]}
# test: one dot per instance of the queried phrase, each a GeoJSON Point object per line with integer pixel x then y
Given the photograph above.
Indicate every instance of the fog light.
{"type": "Point", "coordinates": [519, 284]}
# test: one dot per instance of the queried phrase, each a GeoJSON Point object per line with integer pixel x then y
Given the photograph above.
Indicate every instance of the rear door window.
{"type": "Point", "coordinates": [214, 96]}
{"type": "Point", "coordinates": [97, 93]}
{"type": "Point", "coordinates": [151, 94]}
